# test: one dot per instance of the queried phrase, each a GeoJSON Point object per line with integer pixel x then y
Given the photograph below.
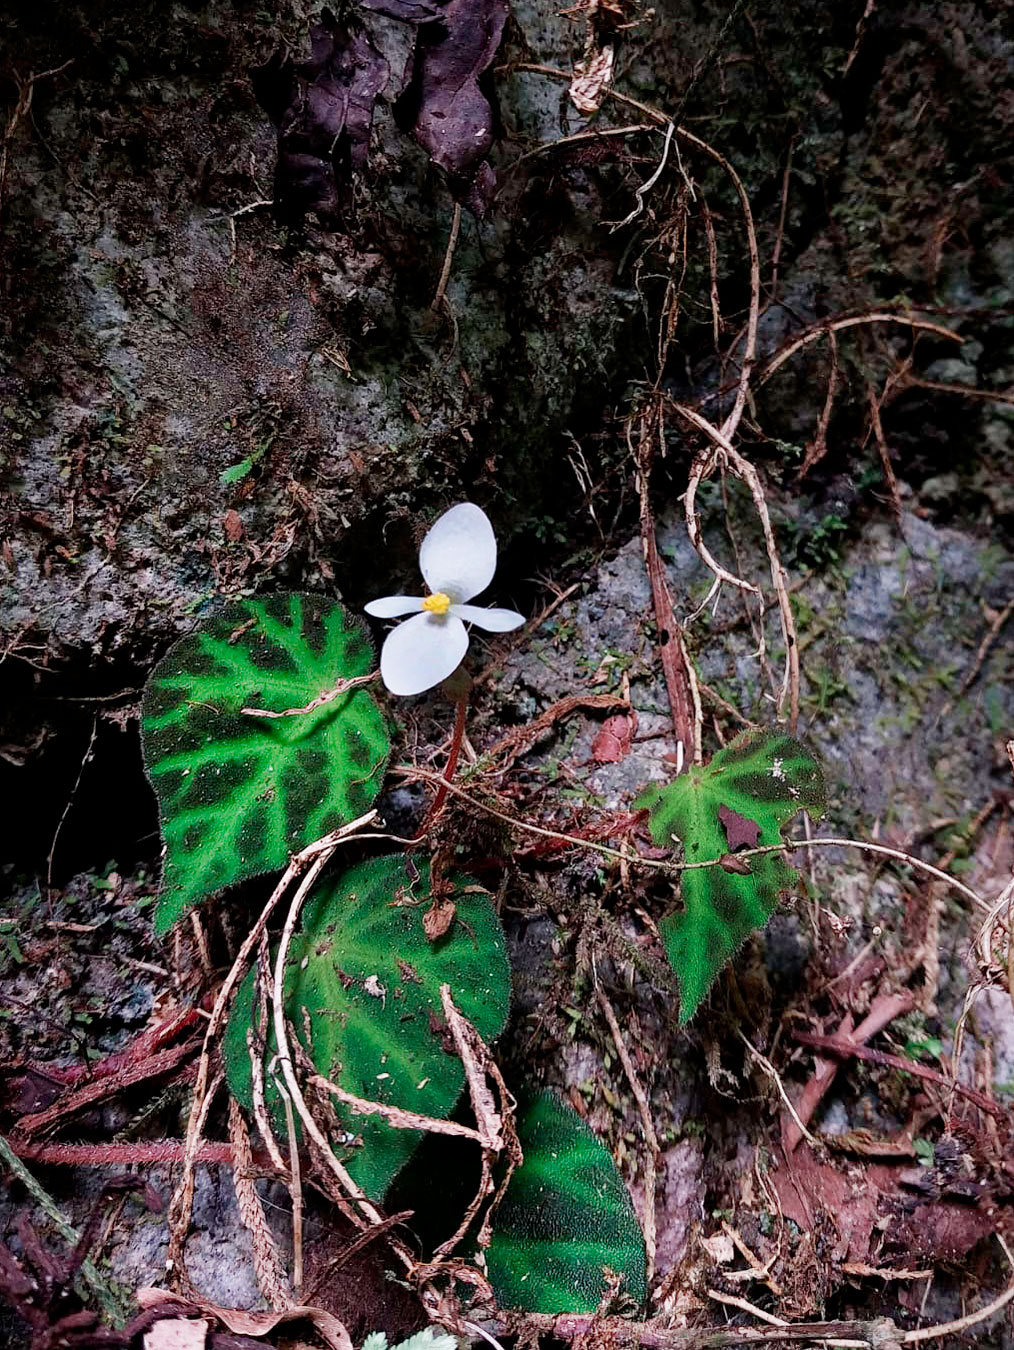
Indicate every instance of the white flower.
{"type": "Point", "coordinates": [457, 560]}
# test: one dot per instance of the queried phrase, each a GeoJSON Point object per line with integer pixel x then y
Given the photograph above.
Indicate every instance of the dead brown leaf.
{"type": "Point", "coordinates": [438, 918]}
{"type": "Point", "coordinates": [242, 1323]}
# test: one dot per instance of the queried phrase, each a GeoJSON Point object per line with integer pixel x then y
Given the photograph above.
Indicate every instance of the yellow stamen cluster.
{"type": "Point", "coordinates": [437, 603]}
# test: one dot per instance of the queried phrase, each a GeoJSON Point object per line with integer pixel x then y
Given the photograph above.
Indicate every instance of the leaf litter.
{"type": "Point", "coordinates": [323, 105]}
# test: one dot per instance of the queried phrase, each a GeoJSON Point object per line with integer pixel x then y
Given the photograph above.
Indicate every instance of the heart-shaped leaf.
{"type": "Point", "coordinates": [565, 1220]}
{"type": "Point", "coordinates": [239, 794]}
{"type": "Point", "coordinates": [746, 794]}
{"type": "Point", "coordinates": [362, 993]}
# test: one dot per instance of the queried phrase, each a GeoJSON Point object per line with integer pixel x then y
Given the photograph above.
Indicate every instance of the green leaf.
{"type": "Point", "coordinates": [565, 1220]}
{"type": "Point", "coordinates": [235, 473]}
{"type": "Point", "coordinates": [362, 982]}
{"type": "Point", "coordinates": [238, 794]}
{"type": "Point", "coordinates": [752, 787]}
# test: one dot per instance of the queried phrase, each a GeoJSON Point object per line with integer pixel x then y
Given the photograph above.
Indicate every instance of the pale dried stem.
{"type": "Point", "coordinates": [884, 451]}
{"type": "Point", "coordinates": [650, 1171]}
{"type": "Point", "coordinates": [776, 252]}
{"type": "Point", "coordinates": [267, 1262]}
{"type": "Point", "coordinates": [445, 272]}
{"type": "Point", "coordinates": [256, 1040]}
{"type": "Point", "coordinates": [746, 471]}
{"type": "Point", "coordinates": [295, 1189]}
{"type": "Point", "coordinates": [818, 330]}
{"type": "Point", "coordinates": [181, 1205]}
{"type": "Point", "coordinates": [395, 1116]}
{"type": "Point", "coordinates": [201, 943]}
{"type": "Point", "coordinates": [716, 313]}
{"type": "Point", "coordinates": [363, 1211]}
{"type": "Point", "coordinates": [985, 647]}
{"type": "Point", "coordinates": [764, 1063]}
{"type": "Point", "coordinates": [182, 1202]}
{"type": "Point", "coordinates": [475, 1059]}
{"type": "Point", "coordinates": [342, 687]}
{"type": "Point", "coordinates": [963, 390]}
{"type": "Point", "coordinates": [702, 467]}
{"type": "Point", "coordinates": [818, 448]}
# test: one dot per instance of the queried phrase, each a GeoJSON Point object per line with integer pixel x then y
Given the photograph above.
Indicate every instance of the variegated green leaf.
{"type": "Point", "coordinates": [745, 795]}
{"type": "Point", "coordinates": [238, 795]}
{"type": "Point", "coordinates": [566, 1221]}
{"type": "Point", "coordinates": [362, 992]}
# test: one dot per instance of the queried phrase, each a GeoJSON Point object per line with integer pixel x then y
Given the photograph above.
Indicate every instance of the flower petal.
{"type": "Point", "coordinates": [421, 652]}
{"type": "Point", "coordinates": [394, 606]}
{"type": "Point", "coordinates": [493, 620]}
{"type": "Point", "coordinates": [458, 556]}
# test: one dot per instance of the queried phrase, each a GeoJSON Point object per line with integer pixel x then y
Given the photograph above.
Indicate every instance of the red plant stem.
{"type": "Point", "coordinates": [882, 1012]}
{"type": "Point", "coordinates": [839, 1045]}
{"type": "Point", "coordinates": [104, 1155]}
{"type": "Point", "coordinates": [82, 1098]}
{"type": "Point", "coordinates": [141, 1047]}
{"type": "Point", "coordinates": [460, 716]}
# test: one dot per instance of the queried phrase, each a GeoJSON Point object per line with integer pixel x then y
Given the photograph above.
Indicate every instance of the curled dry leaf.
{"type": "Point", "coordinates": [591, 76]}
{"type": "Point", "coordinates": [241, 1323]}
{"type": "Point", "coordinates": [449, 114]}
{"type": "Point", "coordinates": [323, 106]}
{"type": "Point", "coordinates": [438, 918]}
{"type": "Point", "coordinates": [615, 738]}
{"type": "Point", "coordinates": [323, 109]}
{"type": "Point", "coordinates": [741, 831]}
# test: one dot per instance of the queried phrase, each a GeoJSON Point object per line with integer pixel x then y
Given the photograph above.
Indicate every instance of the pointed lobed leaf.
{"type": "Point", "coordinates": [761, 777]}
{"type": "Point", "coordinates": [362, 990]}
{"type": "Point", "coordinates": [565, 1220]}
{"type": "Point", "coordinates": [237, 794]}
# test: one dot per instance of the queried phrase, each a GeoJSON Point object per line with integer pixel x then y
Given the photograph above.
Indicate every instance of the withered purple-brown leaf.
{"type": "Point", "coordinates": [409, 11]}
{"type": "Point", "coordinates": [740, 831]}
{"type": "Point", "coordinates": [323, 109]}
{"type": "Point", "coordinates": [449, 114]}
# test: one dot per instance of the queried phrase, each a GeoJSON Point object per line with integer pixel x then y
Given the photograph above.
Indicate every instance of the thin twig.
{"type": "Point", "coordinates": [396, 1116]}
{"type": "Point", "coordinates": [445, 272]}
{"type": "Point", "coordinates": [817, 448]}
{"type": "Point", "coordinates": [746, 471]}
{"type": "Point", "coordinates": [342, 687]}
{"type": "Point", "coordinates": [411, 771]}
{"type": "Point", "coordinates": [776, 1078]}
{"type": "Point", "coordinates": [883, 449]}
{"type": "Point", "coordinates": [181, 1205]}
{"type": "Point", "coordinates": [818, 330]}
{"type": "Point", "coordinates": [70, 800]}
{"type": "Point", "coordinates": [649, 1172]}
{"type": "Point", "coordinates": [295, 1188]}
